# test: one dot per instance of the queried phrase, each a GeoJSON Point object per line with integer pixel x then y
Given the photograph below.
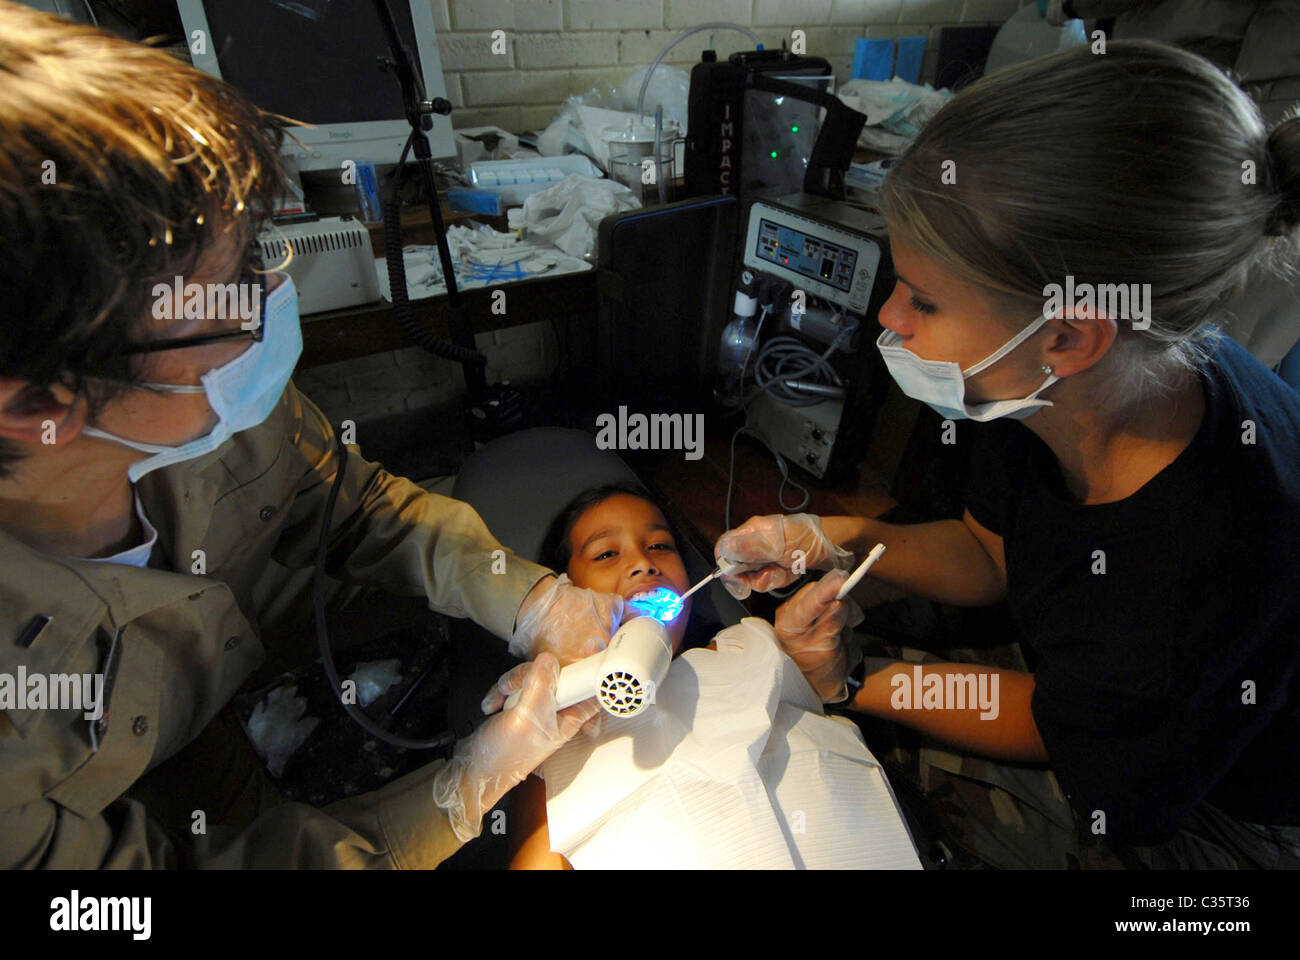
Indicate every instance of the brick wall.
{"type": "Point", "coordinates": [560, 48]}
{"type": "Point", "coordinates": [412, 378]}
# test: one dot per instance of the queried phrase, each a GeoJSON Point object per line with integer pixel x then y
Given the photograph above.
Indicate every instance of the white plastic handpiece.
{"type": "Point", "coordinates": [577, 682]}
{"type": "Point", "coordinates": [624, 675]}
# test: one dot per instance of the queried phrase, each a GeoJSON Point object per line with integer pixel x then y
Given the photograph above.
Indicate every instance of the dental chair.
{"type": "Point", "coordinates": [519, 484]}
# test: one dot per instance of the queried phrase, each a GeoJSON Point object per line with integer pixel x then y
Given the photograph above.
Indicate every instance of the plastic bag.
{"type": "Point", "coordinates": [569, 213]}
{"type": "Point", "coordinates": [895, 110]}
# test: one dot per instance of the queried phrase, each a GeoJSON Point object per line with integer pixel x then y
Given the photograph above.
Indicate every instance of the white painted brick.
{"type": "Point", "coordinates": [325, 376]}
{"type": "Point", "coordinates": [833, 42]}
{"type": "Point", "coordinates": [866, 11]}
{"type": "Point", "coordinates": [489, 89]}
{"type": "Point", "coordinates": [507, 118]}
{"type": "Point", "coordinates": [373, 394]}
{"type": "Point", "coordinates": [637, 48]}
{"type": "Point", "coordinates": [537, 118]}
{"type": "Point", "coordinates": [414, 357]}
{"type": "Point", "coordinates": [525, 333]}
{"type": "Point", "coordinates": [482, 14]}
{"type": "Point", "coordinates": [531, 87]}
{"type": "Point", "coordinates": [521, 359]}
{"type": "Point", "coordinates": [508, 15]}
{"type": "Point", "coordinates": [930, 11]}
{"type": "Point", "coordinates": [414, 378]}
{"type": "Point", "coordinates": [798, 13]}
{"type": "Point", "coordinates": [539, 15]}
{"type": "Point", "coordinates": [613, 14]}
{"type": "Point", "coordinates": [331, 400]}
{"type": "Point", "coordinates": [842, 68]}
{"type": "Point", "coordinates": [543, 50]}
{"type": "Point", "coordinates": [371, 363]}
{"type": "Point", "coordinates": [988, 11]}
{"type": "Point", "coordinates": [898, 30]}
{"type": "Point", "coordinates": [441, 22]}
{"type": "Point", "coordinates": [547, 87]}
{"type": "Point", "coordinates": [473, 51]}
{"type": "Point", "coordinates": [683, 14]}
{"type": "Point", "coordinates": [431, 396]}
{"type": "Point", "coordinates": [640, 47]}
{"type": "Point", "coordinates": [580, 81]}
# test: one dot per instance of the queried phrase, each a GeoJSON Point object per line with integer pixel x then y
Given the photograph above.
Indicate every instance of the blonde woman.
{"type": "Point", "coordinates": [1135, 480]}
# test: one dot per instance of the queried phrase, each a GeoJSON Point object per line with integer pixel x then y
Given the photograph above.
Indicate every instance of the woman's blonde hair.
{"type": "Point", "coordinates": [1144, 164]}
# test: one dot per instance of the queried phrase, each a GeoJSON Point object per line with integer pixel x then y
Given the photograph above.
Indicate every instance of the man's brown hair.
{"type": "Point", "coordinates": [119, 167]}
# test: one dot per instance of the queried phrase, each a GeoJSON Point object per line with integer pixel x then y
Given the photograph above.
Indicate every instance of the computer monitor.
{"type": "Point", "coordinates": [316, 62]}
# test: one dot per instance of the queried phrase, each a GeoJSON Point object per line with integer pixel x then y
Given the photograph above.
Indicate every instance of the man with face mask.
{"type": "Point", "coordinates": [161, 477]}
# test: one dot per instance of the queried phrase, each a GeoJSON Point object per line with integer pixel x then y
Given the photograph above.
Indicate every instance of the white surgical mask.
{"type": "Point", "coordinates": [242, 392]}
{"type": "Point", "coordinates": [942, 384]}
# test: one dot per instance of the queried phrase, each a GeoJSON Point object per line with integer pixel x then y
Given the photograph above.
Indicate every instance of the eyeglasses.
{"type": "Point", "coordinates": [247, 280]}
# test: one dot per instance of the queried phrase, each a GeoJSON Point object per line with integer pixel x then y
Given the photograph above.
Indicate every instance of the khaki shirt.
{"type": "Point", "coordinates": [188, 642]}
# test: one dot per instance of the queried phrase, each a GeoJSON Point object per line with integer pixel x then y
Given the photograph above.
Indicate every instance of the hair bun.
{"type": "Point", "coordinates": [1283, 150]}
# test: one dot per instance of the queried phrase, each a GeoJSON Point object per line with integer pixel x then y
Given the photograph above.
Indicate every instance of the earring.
{"type": "Point", "coordinates": [1047, 368]}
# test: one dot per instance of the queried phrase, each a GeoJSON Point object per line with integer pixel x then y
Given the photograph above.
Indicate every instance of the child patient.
{"type": "Point", "coordinates": [611, 539]}
{"type": "Point", "coordinates": [614, 540]}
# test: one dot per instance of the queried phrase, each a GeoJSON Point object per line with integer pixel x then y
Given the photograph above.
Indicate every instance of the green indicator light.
{"type": "Point", "coordinates": [773, 154]}
{"type": "Point", "coordinates": [794, 129]}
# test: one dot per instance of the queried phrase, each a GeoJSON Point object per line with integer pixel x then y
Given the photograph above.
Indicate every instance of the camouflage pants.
{"type": "Point", "coordinates": [1015, 816]}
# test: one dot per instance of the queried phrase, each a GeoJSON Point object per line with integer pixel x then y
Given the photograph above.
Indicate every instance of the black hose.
{"type": "Point", "coordinates": [322, 636]}
{"type": "Point", "coordinates": [402, 303]}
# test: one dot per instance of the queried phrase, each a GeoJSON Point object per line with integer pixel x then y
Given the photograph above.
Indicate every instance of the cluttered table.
{"type": "Point", "coordinates": [337, 335]}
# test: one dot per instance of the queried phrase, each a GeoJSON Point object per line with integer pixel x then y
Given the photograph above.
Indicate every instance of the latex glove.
{"type": "Point", "coordinates": [567, 621]}
{"type": "Point", "coordinates": [509, 746]}
{"type": "Point", "coordinates": [815, 631]}
{"type": "Point", "coordinates": [775, 539]}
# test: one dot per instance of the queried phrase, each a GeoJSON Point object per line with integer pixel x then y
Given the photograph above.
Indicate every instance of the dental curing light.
{"type": "Point", "coordinates": [623, 676]}
{"type": "Point", "coordinates": [661, 603]}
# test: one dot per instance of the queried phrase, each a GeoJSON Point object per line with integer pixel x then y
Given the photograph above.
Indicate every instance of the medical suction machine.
{"type": "Point", "coordinates": [798, 354]}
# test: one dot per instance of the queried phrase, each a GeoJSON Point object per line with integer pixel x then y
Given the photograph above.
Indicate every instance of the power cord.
{"type": "Point", "coordinates": [780, 465]}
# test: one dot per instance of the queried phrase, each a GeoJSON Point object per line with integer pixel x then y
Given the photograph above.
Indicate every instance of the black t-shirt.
{"type": "Point", "coordinates": [1141, 691]}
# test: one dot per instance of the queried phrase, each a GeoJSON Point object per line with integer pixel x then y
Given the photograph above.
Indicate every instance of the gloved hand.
{"type": "Point", "coordinates": [509, 746]}
{"type": "Point", "coordinates": [774, 539]}
{"type": "Point", "coordinates": [815, 631]}
{"type": "Point", "coordinates": [567, 621]}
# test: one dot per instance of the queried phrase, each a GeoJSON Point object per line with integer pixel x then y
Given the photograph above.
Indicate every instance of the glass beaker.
{"type": "Point", "coordinates": [633, 160]}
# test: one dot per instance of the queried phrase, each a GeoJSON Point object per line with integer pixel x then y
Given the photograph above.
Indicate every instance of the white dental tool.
{"type": "Point", "coordinates": [623, 676]}
{"type": "Point", "coordinates": [724, 567]}
{"type": "Point", "coordinates": [876, 553]}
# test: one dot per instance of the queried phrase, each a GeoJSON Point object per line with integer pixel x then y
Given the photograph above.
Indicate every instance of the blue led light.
{"type": "Point", "coordinates": [660, 603]}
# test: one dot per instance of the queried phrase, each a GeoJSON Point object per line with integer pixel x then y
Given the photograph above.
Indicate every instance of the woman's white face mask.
{"type": "Point", "coordinates": [942, 384]}
{"type": "Point", "coordinates": [242, 392]}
